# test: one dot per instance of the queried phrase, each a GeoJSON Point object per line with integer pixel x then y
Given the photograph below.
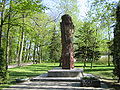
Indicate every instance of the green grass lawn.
{"type": "Point", "coordinates": [30, 71]}
{"type": "Point", "coordinates": [37, 69]}
{"type": "Point", "coordinates": [27, 72]}
{"type": "Point", "coordinates": [102, 70]}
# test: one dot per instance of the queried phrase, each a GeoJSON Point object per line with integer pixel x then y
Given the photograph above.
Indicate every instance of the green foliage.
{"type": "Point", "coordinates": [3, 69]}
{"type": "Point", "coordinates": [103, 60]}
{"type": "Point", "coordinates": [102, 14]}
{"type": "Point", "coordinates": [27, 5]}
{"type": "Point", "coordinates": [55, 46]}
{"type": "Point", "coordinates": [87, 52]}
{"type": "Point", "coordinates": [87, 42]}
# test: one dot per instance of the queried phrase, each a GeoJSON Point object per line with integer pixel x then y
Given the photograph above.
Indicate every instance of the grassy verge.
{"type": "Point", "coordinates": [27, 72]}
{"type": "Point", "coordinates": [102, 70]}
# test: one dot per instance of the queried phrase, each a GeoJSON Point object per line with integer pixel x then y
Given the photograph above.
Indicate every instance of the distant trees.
{"type": "Point", "coordinates": [55, 46]}
{"type": "Point", "coordinates": [28, 34]}
{"type": "Point", "coordinates": [87, 43]}
{"type": "Point", "coordinates": [15, 22]}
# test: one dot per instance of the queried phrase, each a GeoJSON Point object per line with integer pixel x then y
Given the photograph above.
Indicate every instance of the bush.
{"type": "Point", "coordinates": [103, 60]}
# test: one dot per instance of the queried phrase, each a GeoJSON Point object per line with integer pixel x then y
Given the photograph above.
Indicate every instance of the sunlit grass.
{"type": "Point", "coordinates": [27, 72]}
{"type": "Point", "coordinates": [102, 70]}
{"type": "Point", "coordinates": [30, 71]}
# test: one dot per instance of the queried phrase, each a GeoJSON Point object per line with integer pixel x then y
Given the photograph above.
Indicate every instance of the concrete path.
{"type": "Point", "coordinates": [23, 64]}
{"type": "Point", "coordinates": [51, 85]}
{"type": "Point", "coordinates": [43, 82]}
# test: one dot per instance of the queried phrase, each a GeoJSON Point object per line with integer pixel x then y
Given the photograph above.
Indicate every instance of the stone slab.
{"type": "Point", "coordinates": [48, 87]}
{"type": "Point", "coordinates": [44, 77]}
{"type": "Point", "coordinates": [59, 72]}
{"type": "Point", "coordinates": [43, 83]}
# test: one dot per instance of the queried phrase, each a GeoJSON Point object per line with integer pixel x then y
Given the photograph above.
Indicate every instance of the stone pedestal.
{"type": "Point", "coordinates": [59, 72]}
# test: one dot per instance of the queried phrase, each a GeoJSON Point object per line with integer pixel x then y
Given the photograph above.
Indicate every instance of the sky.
{"type": "Point", "coordinates": [82, 4]}
{"type": "Point", "coordinates": [52, 3]}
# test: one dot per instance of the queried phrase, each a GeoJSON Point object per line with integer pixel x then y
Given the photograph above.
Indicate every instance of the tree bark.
{"type": "Point", "coordinates": [34, 54]}
{"type": "Point", "coordinates": [116, 44]}
{"type": "Point", "coordinates": [24, 51]}
{"type": "Point", "coordinates": [7, 41]}
{"type": "Point", "coordinates": [10, 50]}
{"type": "Point", "coordinates": [17, 52]}
{"type": "Point", "coordinates": [2, 20]}
{"type": "Point", "coordinates": [38, 52]}
{"type": "Point", "coordinates": [21, 44]}
{"type": "Point", "coordinates": [3, 63]}
{"type": "Point", "coordinates": [29, 52]}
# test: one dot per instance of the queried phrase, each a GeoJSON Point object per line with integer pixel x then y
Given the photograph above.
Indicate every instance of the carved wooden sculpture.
{"type": "Point", "coordinates": [67, 29]}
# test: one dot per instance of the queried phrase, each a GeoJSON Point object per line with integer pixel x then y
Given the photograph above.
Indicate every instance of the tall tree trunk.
{"type": "Point", "coordinates": [108, 50]}
{"type": "Point", "coordinates": [34, 54]}
{"type": "Point", "coordinates": [116, 44]}
{"type": "Point", "coordinates": [26, 54]}
{"type": "Point", "coordinates": [60, 62]}
{"type": "Point", "coordinates": [2, 20]}
{"type": "Point", "coordinates": [41, 55]}
{"type": "Point", "coordinates": [21, 48]}
{"type": "Point", "coordinates": [29, 56]}
{"type": "Point", "coordinates": [93, 57]}
{"type": "Point", "coordinates": [7, 41]}
{"type": "Point", "coordinates": [24, 51]}
{"type": "Point", "coordinates": [10, 51]}
{"type": "Point", "coordinates": [38, 53]}
{"type": "Point", "coordinates": [17, 52]}
{"type": "Point", "coordinates": [3, 63]}
{"type": "Point", "coordinates": [21, 44]}
{"type": "Point", "coordinates": [84, 62]}
{"type": "Point", "coordinates": [0, 35]}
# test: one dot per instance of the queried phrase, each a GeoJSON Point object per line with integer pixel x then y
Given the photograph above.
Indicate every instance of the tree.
{"type": "Point", "coordinates": [102, 13]}
{"type": "Point", "coordinates": [116, 44]}
{"type": "Point", "coordinates": [3, 63]}
{"type": "Point", "coordinates": [55, 46]}
{"type": "Point", "coordinates": [86, 41]}
{"type": "Point", "coordinates": [11, 12]}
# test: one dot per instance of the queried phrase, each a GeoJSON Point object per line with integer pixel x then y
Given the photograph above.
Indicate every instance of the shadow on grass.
{"type": "Point", "coordinates": [95, 66]}
{"type": "Point", "coordinates": [40, 65]}
{"type": "Point", "coordinates": [7, 86]}
{"type": "Point", "coordinates": [29, 71]}
{"type": "Point", "coordinates": [28, 74]}
{"type": "Point", "coordinates": [103, 69]}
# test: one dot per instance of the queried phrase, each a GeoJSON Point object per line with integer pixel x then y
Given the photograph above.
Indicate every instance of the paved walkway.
{"type": "Point", "coordinates": [23, 64]}
{"type": "Point", "coordinates": [43, 82]}
{"type": "Point", "coordinates": [51, 85]}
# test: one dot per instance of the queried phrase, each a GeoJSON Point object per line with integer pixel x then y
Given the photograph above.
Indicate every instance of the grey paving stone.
{"type": "Point", "coordinates": [59, 84]}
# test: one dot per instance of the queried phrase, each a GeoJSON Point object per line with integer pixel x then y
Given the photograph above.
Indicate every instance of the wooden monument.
{"type": "Point", "coordinates": [67, 29]}
{"type": "Point", "coordinates": [67, 55]}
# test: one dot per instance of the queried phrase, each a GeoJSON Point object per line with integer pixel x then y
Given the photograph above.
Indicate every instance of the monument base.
{"type": "Point", "coordinates": [59, 72]}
